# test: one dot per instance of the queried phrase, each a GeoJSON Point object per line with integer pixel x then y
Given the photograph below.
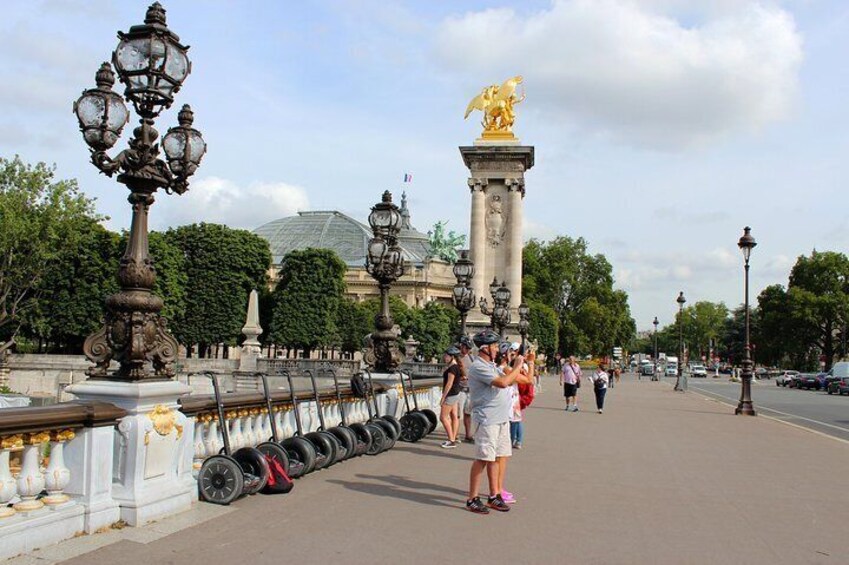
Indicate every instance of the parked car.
{"type": "Point", "coordinates": [839, 386]}
{"type": "Point", "coordinates": [671, 371]}
{"type": "Point", "coordinates": [822, 380]}
{"type": "Point", "coordinates": [698, 371]}
{"type": "Point", "coordinates": [807, 381]}
{"type": "Point", "coordinates": [785, 378]}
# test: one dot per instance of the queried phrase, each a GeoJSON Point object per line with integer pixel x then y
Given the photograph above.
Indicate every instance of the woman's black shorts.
{"type": "Point", "coordinates": [569, 390]}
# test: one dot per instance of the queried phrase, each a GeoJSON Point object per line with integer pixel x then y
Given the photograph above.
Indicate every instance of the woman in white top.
{"type": "Point", "coordinates": [600, 380]}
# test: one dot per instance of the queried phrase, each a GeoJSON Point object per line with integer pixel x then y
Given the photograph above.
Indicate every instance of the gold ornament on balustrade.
{"type": "Point", "coordinates": [62, 435]}
{"type": "Point", "coordinates": [496, 103]}
{"type": "Point", "coordinates": [12, 442]}
{"type": "Point", "coordinates": [165, 420]}
{"type": "Point", "coordinates": [37, 438]}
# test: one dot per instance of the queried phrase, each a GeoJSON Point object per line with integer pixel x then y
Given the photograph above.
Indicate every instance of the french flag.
{"type": "Point", "coordinates": [408, 177]}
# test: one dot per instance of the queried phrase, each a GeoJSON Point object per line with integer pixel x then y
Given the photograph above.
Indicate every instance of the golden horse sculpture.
{"type": "Point", "coordinates": [496, 103]}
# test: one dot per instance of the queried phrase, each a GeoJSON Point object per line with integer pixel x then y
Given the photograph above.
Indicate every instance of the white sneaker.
{"type": "Point", "coordinates": [600, 410]}
{"type": "Point", "coordinates": [448, 445]}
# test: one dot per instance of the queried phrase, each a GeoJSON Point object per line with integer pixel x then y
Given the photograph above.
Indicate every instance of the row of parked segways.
{"type": "Point", "coordinates": [270, 466]}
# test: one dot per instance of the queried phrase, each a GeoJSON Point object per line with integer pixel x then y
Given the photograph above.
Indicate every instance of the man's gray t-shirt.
{"type": "Point", "coordinates": [490, 405]}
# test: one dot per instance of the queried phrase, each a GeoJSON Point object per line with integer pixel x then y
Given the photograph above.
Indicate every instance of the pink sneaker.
{"type": "Point", "coordinates": [508, 497]}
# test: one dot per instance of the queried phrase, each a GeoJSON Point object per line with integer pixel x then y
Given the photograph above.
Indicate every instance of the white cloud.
{"type": "Point", "coordinates": [619, 69]}
{"type": "Point", "coordinates": [218, 200]}
{"type": "Point", "coordinates": [537, 230]}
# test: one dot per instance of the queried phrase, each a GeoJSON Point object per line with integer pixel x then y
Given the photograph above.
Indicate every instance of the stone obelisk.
{"type": "Point", "coordinates": [497, 163]}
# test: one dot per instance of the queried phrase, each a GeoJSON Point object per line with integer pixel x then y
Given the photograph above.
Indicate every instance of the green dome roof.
{"type": "Point", "coordinates": [333, 230]}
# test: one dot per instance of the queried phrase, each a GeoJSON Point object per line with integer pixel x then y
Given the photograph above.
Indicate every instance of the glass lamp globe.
{"type": "Point", "coordinates": [101, 112]}
{"type": "Point", "coordinates": [503, 294]}
{"type": "Point", "coordinates": [184, 146]}
{"type": "Point", "coordinates": [151, 63]}
{"type": "Point", "coordinates": [464, 268]}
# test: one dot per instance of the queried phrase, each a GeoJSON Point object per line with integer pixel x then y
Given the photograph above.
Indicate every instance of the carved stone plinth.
{"type": "Point", "coordinates": [151, 472]}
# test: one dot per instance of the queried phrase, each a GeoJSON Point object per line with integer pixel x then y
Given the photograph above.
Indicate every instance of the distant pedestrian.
{"type": "Point", "coordinates": [600, 380]}
{"type": "Point", "coordinates": [449, 405]}
{"type": "Point", "coordinates": [570, 378]}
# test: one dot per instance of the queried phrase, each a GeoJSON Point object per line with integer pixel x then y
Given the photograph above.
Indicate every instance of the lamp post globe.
{"type": "Point", "coordinates": [745, 406]}
{"type": "Point", "coordinates": [654, 365]}
{"type": "Point", "coordinates": [463, 295]}
{"type": "Point", "coordinates": [524, 322]}
{"type": "Point", "coordinates": [385, 263]}
{"type": "Point", "coordinates": [152, 64]}
{"type": "Point", "coordinates": [681, 378]}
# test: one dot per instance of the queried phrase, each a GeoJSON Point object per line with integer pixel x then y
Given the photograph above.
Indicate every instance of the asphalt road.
{"type": "Point", "coordinates": [811, 409]}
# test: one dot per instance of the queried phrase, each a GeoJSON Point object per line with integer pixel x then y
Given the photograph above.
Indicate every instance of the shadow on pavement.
{"type": "Point", "coordinates": [451, 454]}
{"type": "Point", "coordinates": [415, 494]}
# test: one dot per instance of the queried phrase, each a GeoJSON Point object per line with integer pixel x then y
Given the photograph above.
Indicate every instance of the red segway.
{"type": "Point", "coordinates": [279, 480]}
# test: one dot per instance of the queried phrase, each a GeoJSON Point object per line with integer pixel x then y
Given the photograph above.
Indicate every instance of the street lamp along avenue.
{"type": "Point", "coordinates": [464, 296]}
{"type": "Point", "coordinates": [499, 314]}
{"type": "Point", "coordinates": [654, 365]}
{"type": "Point", "coordinates": [152, 64]}
{"type": "Point", "coordinates": [681, 380]}
{"type": "Point", "coordinates": [524, 323]}
{"type": "Point", "coordinates": [385, 263]}
{"type": "Point", "coordinates": [745, 406]}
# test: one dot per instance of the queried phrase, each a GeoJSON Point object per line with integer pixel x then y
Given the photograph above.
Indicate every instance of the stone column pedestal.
{"type": "Point", "coordinates": [497, 183]}
{"type": "Point", "coordinates": [153, 447]}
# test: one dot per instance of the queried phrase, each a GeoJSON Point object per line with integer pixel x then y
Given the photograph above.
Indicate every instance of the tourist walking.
{"type": "Point", "coordinates": [570, 378]}
{"type": "Point", "coordinates": [600, 380]}
{"type": "Point", "coordinates": [523, 395]}
{"type": "Point", "coordinates": [491, 403]}
{"type": "Point", "coordinates": [451, 379]}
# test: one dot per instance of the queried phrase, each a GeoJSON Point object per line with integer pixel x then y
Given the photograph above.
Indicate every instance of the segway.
{"type": "Point", "coordinates": [323, 443]}
{"type": "Point", "coordinates": [388, 418]}
{"type": "Point", "coordinates": [343, 439]}
{"type": "Point", "coordinates": [279, 480]}
{"type": "Point", "coordinates": [225, 477]}
{"type": "Point", "coordinates": [432, 420]}
{"type": "Point", "coordinates": [414, 425]}
{"type": "Point", "coordinates": [362, 432]}
{"type": "Point", "coordinates": [384, 439]}
{"type": "Point", "coordinates": [301, 452]}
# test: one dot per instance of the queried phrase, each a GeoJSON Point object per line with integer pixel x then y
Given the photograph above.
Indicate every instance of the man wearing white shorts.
{"type": "Point", "coordinates": [491, 399]}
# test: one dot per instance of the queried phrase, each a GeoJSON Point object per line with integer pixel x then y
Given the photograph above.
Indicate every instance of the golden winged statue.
{"type": "Point", "coordinates": [496, 103]}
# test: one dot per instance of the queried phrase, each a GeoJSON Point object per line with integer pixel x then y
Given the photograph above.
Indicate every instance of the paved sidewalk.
{"type": "Point", "coordinates": [660, 477]}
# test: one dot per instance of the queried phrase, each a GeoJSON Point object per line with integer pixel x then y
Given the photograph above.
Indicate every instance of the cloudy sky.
{"type": "Point", "coordinates": [661, 127]}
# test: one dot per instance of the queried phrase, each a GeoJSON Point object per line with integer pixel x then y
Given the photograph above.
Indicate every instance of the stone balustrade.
{"type": "Point", "coordinates": [52, 486]}
{"type": "Point", "coordinates": [81, 466]}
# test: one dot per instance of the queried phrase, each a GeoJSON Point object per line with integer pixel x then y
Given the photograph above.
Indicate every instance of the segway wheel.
{"type": "Point", "coordinates": [339, 450]}
{"type": "Point", "coordinates": [253, 463]}
{"type": "Point", "coordinates": [432, 419]}
{"type": "Point", "coordinates": [346, 440]}
{"type": "Point", "coordinates": [413, 428]}
{"type": "Point", "coordinates": [363, 434]}
{"type": "Point", "coordinates": [220, 480]}
{"type": "Point", "coordinates": [389, 430]}
{"type": "Point", "coordinates": [395, 424]}
{"type": "Point", "coordinates": [324, 449]}
{"type": "Point", "coordinates": [378, 439]}
{"type": "Point", "coordinates": [279, 480]}
{"type": "Point", "coordinates": [301, 455]}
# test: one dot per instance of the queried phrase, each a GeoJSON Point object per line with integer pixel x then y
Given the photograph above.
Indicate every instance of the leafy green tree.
{"type": "Point", "coordinates": [434, 327]}
{"type": "Point", "coordinates": [222, 266]}
{"type": "Point", "coordinates": [544, 327]}
{"type": "Point", "coordinates": [71, 297]}
{"type": "Point", "coordinates": [41, 218]}
{"type": "Point", "coordinates": [704, 323]}
{"type": "Point", "coordinates": [172, 278]}
{"type": "Point", "coordinates": [353, 324]}
{"type": "Point", "coordinates": [562, 274]}
{"type": "Point", "coordinates": [307, 298]}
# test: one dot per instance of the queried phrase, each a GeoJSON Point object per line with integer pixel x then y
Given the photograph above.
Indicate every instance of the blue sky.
{"type": "Point", "coordinates": [661, 127]}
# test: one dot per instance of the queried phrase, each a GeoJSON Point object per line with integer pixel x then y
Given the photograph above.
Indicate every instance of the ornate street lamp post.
{"type": "Point", "coordinates": [681, 380]}
{"type": "Point", "coordinates": [654, 373]}
{"type": "Point", "coordinates": [499, 314]}
{"type": "Point", "coordinates": [152, 64]}
{"type": "Point", "coordinates": [385, 264]}
{"type": "Point", "coordinates": [464, 296]}
{"type": "Point", "coordinates": [745, 406]}
{"type": "Point", "coordinates": [524, 323]}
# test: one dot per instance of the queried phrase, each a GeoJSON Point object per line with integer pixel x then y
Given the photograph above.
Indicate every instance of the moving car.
{"type": "Point", "coordinates": [698, 371]}
{"type": "Point", "coordinates": [840, 386]}
{"type": "Point", "coordinates": [807, 381]}
{"type": "Point", "coordinates": [785, 378]}
{"type": "Point", "coordinates": [646, 369]}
